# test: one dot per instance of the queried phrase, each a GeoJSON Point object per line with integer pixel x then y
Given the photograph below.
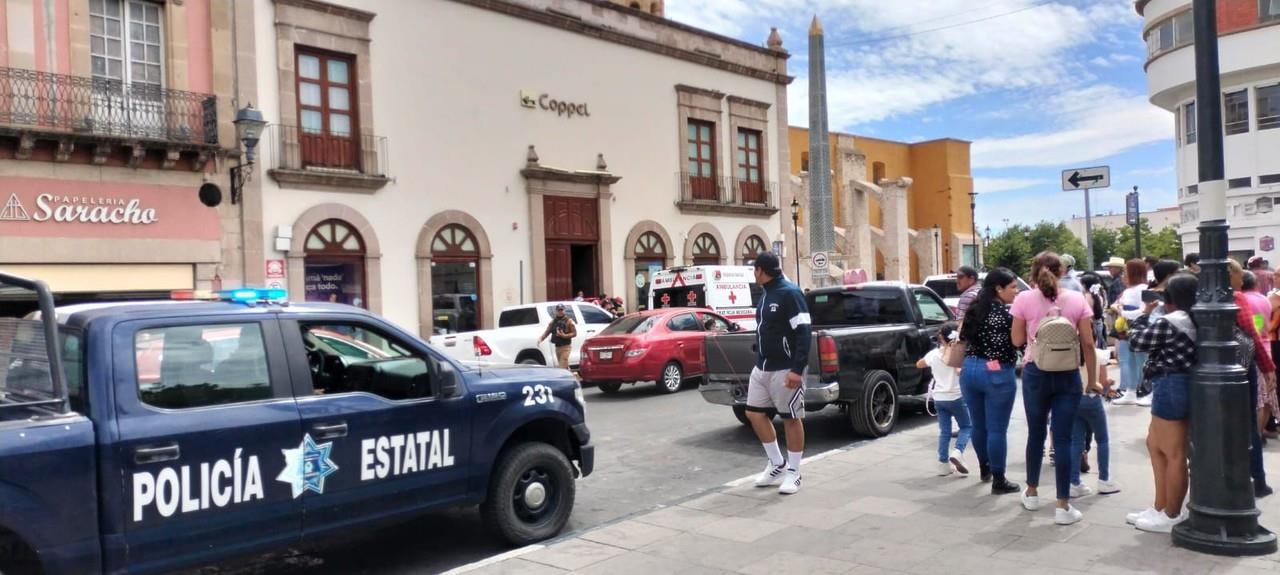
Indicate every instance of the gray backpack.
{"type": "Point", "coordinates": [1057, 343]}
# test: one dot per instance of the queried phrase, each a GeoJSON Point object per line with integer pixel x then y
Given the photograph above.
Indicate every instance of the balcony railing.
{"type": "Point", "coordinates": [702, 194]}
{"type": "Point", "coordinates": [78, 105]}
{"type": "Point", "coordinates": [311, 159]}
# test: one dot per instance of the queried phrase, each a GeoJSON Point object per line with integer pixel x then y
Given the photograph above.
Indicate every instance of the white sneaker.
{"type": "Point", "coordinates": [1081, 490]}
{"type": "Point", "coordinates": [1129, 398]}
{"type": "Point", "coordinates": [1159, 523]}
{"type": "Point", "coordinates": [1030, 502]}
{"type": "Point", "coordinates": [957, 461]}
{"type": "Point", "coordinates": [1067, 516]}
{"type": "Point", "coordinates": [1144, 401]}
{"type": "Point", "coordinates": [1132, 518]}
{"type": "Point", "coordinates": [945, 469]}
{"type": "Point", "coordinates": [790, 482]}
{"type": "Point", "coordinates": [1108, 487]}
{"type": "Point", "coordinates": [771, 476]}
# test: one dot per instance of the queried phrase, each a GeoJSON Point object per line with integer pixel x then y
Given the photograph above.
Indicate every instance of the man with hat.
{"type": "Point", "coordinates": [1115, 266]}
{"type": "Point", "coordinates": [1069, 279]}
{"type": "Point", "coordinates": [562, 331]}
{"type": "Point", "coordinates": [777, 380]}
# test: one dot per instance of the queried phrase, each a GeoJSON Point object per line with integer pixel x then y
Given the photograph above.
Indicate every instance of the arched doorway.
{"type": "Point", "coordinates": [455, 280]}
{"type": "Point", "coordinates": [753, 247]}
{"type": "Point", "coordinates": [333, 265]}
{"type": "Point", "coordinates": [706, 251]}
{"type": "Point", "coordinates": [650, 254]}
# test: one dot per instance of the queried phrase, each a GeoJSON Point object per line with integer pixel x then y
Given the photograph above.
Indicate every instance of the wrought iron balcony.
{"type": "Point", "coordinates": [700, 194]}
{"type": "Point", "coordinates": [42, 104]}
{"type": "Point", "coordinates": [304, 159]}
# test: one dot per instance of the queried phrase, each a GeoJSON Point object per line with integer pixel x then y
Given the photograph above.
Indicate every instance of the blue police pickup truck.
{"type": "Point", "coordinates": [146, 437]}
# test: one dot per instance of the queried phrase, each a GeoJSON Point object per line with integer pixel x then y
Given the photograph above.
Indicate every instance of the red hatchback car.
{"type": "Point", "coordinates": [664, 346]}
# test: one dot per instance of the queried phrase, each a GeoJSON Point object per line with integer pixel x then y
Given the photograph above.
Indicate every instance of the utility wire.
{"type": "Point", "coordinates": [879, 39]}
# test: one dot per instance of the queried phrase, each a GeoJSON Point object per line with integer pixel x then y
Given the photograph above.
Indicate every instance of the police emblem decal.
{"type": "Point", "coordinates": [306, 467]}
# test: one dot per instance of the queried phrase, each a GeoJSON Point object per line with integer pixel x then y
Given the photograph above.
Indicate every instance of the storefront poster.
{"type": "Point", "coordinates": [334, 282]}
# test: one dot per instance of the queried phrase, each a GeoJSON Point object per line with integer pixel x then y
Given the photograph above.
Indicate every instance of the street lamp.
{"type": "Point", "coordinates": [986, 243]}
{"type": "Point", "coordinates": [973, 220]}
{"type": "Point", "coordinates": [937, 249]}
{"type": "Point", "coordinates": [795, 225]}
{"type": "Point", "coordinates": [249, 125]}
{"type": "Point", "coordinates": [1223, 513]}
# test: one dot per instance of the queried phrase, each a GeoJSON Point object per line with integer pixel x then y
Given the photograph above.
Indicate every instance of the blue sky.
{"type": "Point", "coordinates": [1038, 86]}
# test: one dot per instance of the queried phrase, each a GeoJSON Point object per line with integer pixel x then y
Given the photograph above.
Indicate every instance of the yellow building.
{"type": "Point", "coordinates": [939, 193]}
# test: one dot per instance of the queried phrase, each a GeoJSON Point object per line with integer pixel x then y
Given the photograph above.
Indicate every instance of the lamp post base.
{"type": "Point", "coordinates": [1262, 542]}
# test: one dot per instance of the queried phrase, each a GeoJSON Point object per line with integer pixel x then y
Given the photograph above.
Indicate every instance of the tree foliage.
{"type": "Point", "coordinates": [1016, 246]}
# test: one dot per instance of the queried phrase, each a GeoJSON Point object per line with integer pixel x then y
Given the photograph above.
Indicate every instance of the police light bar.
{"type": "Point", "coordinates": [193, 295]}
{"type": "Point", "coordinates": [253, 295]}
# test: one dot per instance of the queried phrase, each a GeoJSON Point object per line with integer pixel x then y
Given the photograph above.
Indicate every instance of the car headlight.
{"type": "Point", "coordinates": [637, 352]}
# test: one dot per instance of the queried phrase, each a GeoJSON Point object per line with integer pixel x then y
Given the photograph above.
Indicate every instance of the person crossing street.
{"type": "Point", "coordinates": [777, 380]}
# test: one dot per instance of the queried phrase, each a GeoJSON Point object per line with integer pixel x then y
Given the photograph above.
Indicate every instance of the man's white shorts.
{"type": "Point", "coordinates": [767, 391]}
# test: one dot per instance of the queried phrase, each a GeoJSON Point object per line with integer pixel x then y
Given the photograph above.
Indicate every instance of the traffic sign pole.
{"type": "Point", "coordinates": [1088, 232]}
{"type": "Point", "coordinates": [1086, 179]}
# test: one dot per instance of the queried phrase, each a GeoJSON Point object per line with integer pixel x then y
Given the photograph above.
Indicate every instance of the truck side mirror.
{"type": "Point", "coordinates": [446, 379]}
{"type": "Point", "coordinates": [735, 327]}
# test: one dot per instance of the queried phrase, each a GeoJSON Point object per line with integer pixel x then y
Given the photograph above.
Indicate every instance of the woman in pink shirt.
{"type": "Point", "coordinates": [1056, 392]}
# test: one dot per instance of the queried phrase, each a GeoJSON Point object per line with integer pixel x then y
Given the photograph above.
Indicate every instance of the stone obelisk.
{"type": "Point", "coordinates": [822, 233]}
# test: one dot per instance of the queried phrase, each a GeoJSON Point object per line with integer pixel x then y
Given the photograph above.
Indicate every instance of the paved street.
{"type": "Point", "coordinates": [877, 507]}
{"type": "Point", "coordinates": [652, 450]}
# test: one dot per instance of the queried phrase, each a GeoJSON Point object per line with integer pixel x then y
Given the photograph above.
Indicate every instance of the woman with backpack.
{"type": "Point", "coordinates": [1056, 325]}
{"type": "Point", "coordinates": [987, 380]}
{"type": "Point", "coordinates": [1170, 341]}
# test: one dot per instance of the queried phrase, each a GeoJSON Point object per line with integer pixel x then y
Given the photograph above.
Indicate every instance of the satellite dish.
{"type": "Point", "coordinates": [210, 194]}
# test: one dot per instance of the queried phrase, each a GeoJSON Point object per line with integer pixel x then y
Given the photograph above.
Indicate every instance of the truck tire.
{"type": "Point", "coordinates": [609, 387]}
{"type": "Point", "coordinates": [528, 357]}
{"type": "Point", "coordinates": [530, 495]}
{"type": "Point", "coordinates": [671, 379]}
{"type": "Point", "coordinates": [740, 412]}
{"type": "Point", "coordinates": [875, 413]}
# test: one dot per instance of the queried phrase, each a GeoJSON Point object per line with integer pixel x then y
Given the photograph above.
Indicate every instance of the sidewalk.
{"type": "Point", "coordinates": [877, 507]}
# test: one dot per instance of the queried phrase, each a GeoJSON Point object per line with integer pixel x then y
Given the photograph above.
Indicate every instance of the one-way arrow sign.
{"type": "Point", "coordinates": [1086, 178]}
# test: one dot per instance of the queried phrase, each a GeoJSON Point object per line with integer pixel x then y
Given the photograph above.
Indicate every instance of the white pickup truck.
{"type": "Point", "coordinates": [515, 341]}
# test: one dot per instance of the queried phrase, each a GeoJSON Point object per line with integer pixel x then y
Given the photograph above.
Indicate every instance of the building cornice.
{"type": "Point", "coordinates": [749, 102]}
{"type": "Point", "coordinates": [1140, 5]}
{"type": "Point", "coordinates": [572, 23]}
{"type": "Point", "coordinates": [332, 9]}
{"type": "Point", "coordinates": [699, 91]}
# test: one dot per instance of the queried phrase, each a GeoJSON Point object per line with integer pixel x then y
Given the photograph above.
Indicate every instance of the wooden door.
{"type": "Point", "coordinates": [559, 272]}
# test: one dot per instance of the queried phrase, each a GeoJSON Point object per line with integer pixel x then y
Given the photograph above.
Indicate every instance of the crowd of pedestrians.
{"type": "Point", "coordinates": [1060, 333]}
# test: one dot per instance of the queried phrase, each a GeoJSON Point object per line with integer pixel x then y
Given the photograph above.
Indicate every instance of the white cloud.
{"type": "Point", "coordinates": [1157, 171]}
{"type": "Point", "coordinates": [989, 185]}
{"type": "Point", "coordinates": [1090, 123]}
{"type": "Point", "coordinates": [1101, 62]}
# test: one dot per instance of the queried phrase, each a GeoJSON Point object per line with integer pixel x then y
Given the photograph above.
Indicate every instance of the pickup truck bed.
{"type": "Point", "coordinates": [870, 361]}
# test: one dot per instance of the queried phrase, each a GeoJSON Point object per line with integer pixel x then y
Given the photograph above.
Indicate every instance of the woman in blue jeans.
{"type": "Point", "coordinates": [1052, 392]}
{"type": "Point", "coordinates": [1129, 307]}
{"type": "Point", "coordinates": [1091, 417]}
{"type": "Point", "coordinates": [987, 379]}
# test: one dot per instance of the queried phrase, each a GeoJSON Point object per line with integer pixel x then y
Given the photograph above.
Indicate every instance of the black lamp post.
{"type": "Point", "coordinates": [937, 248]}
{"type": "Point", "coordinates": [1223, 514]}
{"type": "Point", "coordinates": [795, 226]}
{"type": "Point", "coordinates": [249, 125]}
{"type": "Point", "coordinates": [973, 220]}
{"type": "Point", "coordinates": [986, 243]}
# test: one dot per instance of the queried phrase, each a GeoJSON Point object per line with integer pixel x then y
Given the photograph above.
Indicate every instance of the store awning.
{"type": "Point", "coordinates": [83, 278]}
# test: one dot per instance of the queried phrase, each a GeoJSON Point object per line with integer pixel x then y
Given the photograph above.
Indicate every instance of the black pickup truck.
{"type": "Point", "coordinates": [867, 339]}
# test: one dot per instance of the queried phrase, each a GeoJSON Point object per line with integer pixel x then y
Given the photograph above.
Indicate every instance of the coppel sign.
{"type": "Point", "coordinates": [562, 108]}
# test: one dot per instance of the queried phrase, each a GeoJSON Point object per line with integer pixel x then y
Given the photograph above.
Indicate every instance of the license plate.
{"type": "Point", "coordinates": [606, 355]}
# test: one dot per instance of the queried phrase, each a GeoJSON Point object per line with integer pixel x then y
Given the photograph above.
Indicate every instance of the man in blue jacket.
{"type": "Point", "coordinates": [777, 380]}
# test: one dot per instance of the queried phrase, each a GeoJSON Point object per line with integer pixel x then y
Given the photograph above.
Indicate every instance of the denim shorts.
{"type": "Point", "coordinates": [1170, 398]}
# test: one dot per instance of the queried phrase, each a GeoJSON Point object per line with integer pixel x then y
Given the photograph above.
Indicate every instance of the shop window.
{"type": "Point", "coordinates": [753, 247]}
{"type": "Point", "coordinates": [1268, 107]}
{"type": "Point", "coordinates": [706, 251]}
{"type": "Point", "coordinates": [701, 169]}
{"type": "Point", "coordinates": [190, 366]}
{"type": "Point", "coordinates": [1236, 105]}
{"type": "Point", "coordinates": [748, 160]}
{"type": "Point", "coordinates": [455, 280]}
{"type": "Point", "coordinates": [1189, 123]}
{"type": "Point", "coordinates": [1268, 10]}
{"type": "Point", "coordinates": [651, 254]}
{"type": "Point", "coordinates": [326, 105]}
{"type": "Point", "coordinates": [334, 264]}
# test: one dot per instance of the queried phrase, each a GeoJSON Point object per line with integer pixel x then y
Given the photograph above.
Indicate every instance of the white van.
{"type": "Point", "coordinates": [730, 291]}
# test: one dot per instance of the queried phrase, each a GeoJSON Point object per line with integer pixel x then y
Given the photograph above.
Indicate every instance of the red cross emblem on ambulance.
{"type": "Point", "coordinates": [733, 297]}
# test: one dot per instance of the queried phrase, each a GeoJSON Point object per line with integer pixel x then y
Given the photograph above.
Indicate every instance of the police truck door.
{"type": "Point", "coordinates": [206, 420]}
{"type": "Point", "coordinates": [371, 402]}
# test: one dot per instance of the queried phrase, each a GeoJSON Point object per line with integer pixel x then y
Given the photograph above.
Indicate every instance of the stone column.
{"type": "Point", "coordinates": [857, 248]}
{"type": "Point", "coordinates": [893, 206]}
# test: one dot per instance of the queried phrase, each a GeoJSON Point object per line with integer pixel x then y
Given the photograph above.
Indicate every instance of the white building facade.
{"type": "Point", "coordinates": [1249, 56]}
{"type": "Point", "coordinates": [438, 160]}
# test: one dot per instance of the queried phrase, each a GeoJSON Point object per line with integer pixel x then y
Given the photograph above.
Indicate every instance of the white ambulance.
{"type": "Point", "coordinates": [730, 291]}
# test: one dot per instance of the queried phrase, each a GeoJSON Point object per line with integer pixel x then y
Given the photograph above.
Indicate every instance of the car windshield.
{"type": "Point", "coordinates": [633, 324]}
{"type": "Point", "coordinates": [859, 307]}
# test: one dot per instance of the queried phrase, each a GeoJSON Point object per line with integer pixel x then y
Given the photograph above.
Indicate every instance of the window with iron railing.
{"type": "Point", "coordinates": [748, 174]}
{"type": "Point", "coordinates": [1268, 107]}
{"type": "Point", "coordinates": [701, 144]}
{"type": "Point", "coordinates": [1236, 106]}
{"type": "Point", "coordinates": [1169, 34]}
{"type": "Point", "coordinates": [326, 104]}
{"type": "Point", "coordinates": [1189, 123]}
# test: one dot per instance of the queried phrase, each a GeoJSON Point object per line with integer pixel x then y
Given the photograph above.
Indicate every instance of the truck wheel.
{"type": "Point", "coordinates": [740, 412]}
{"type": "Point", "coordinates": [610, 388]}
{"type": "Point", "coordinates": [876, 412]}
{"type": "Point", "coordinates": [530, 358]}
{"type": "Point", "coordinates": [530, 495]}
{"type": "Point", "coordinates": [672, 378]}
